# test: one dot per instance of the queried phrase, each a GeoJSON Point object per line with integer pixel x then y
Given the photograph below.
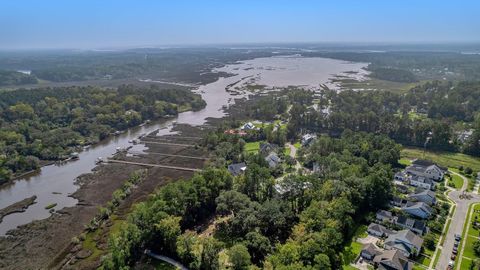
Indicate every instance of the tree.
{"type": "Point", "coordinates": [209, 257]}
{"type": "Point", "coordinates": [239, 257]}
{"type": "Point", "coordinates": [429, 241]}
{"type": "Point", "coordinates": [322, 262]}
{"type": "Point", "coordinates": [476, 247]}
{"type": "Point", "coordinates": [258, 246]}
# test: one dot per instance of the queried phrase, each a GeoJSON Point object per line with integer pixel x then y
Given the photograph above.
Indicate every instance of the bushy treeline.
{"type": "Point", "coordinates": [255, 226]}
{"type": "Point", "coordinates": [9, 77]}
{"type": "Point", "coordinates": [392, 74]}
{"type": "Point", "coordinates": [49, 123]}
{"type": "Point", "coordinates": [439, 111]}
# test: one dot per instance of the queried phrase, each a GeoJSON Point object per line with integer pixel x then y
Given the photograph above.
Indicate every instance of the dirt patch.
{"type": "Point", "coordinates": [17, 207]}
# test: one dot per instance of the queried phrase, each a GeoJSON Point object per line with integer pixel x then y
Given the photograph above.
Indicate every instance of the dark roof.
{"type": "Point", "coordinates": [417, 224]}
{"type": "Point", "coordinates": [237, 168]}
{"type": "Point", "coordinates": [392, 260]}
{"type": "Point", "coordinates": [371, 249]}
{"type": "Point", "coordinates": [385, 213]}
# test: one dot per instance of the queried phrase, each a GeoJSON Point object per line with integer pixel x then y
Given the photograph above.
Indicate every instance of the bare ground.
{"type": "Point", "coordinates": [47, 243]}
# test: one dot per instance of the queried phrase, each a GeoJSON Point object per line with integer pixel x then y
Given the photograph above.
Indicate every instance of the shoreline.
{"type": "Point", "coordinates": [17, 207]}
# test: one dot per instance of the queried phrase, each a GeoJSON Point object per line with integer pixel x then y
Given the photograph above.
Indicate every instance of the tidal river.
{"type": "Point", "coordinates": [54, 183]}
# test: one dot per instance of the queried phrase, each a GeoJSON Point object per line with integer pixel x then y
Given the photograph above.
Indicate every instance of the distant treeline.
{"type": "Point", "coordinates": [8, 77]}
{"type": "Point", "coordinates": [423, 64]}
{"type": "Point", "coordinates": [49, 123]}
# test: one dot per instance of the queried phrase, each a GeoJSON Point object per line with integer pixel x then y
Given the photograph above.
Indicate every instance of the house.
{"type": "Point", "coordinates": [266, 148]}
{"type": "Point", "coordinates": [464, 136]}
{"type": "Point", "coordinates": [426, 196]}
{"type": "Point", "coordinates": [308, 138]}
{"type": "Point", "coordinates": [378, 230]}
{"type": "Point", "coordinates": [401, 176]}
{"type": "Point", "coordinates": [237, 168]}
{"type": "Point", "coordinates": [405, 241]}
{"type": "Point", "coordinates": [248, 126]}
{"type": "Point", "coordinates": [392, 260]}
{"type": "Point", "coordinates": [401, 188]}
{"type": "Point", "coordinates": [422, 182]}
{"type": "Point", "coordinates": [418, 209]}
{"type": "Point", "coordinates": [369, 251]}
{"type": "Point", "coordinates": [398, 202]}
{"type": "Point", "coordinates": [419, 168]}
{"type": "Point", "coordinates": [273, 160]}
{"type": "Point", "coordinates": [414, 225]}
{"type": "Point", "coordinates": [384, 216]}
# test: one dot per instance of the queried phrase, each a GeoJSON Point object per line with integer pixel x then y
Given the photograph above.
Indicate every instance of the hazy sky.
{"type": "Point", "coordinates": [124, 23]}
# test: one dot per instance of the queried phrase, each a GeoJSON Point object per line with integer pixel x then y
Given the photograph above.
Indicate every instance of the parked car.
{"type": "Point", "coordinates": [458, 237]}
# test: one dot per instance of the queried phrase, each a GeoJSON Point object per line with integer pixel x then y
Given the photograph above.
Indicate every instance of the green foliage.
{"type": "Point", "coordinates": [393, 74]}
{"type": "Point", "coordinates": [49, 123]}
{"type": "Point", "coordinates": [8, 77]}
{"type": "Point", "coordinates": [239, 257]}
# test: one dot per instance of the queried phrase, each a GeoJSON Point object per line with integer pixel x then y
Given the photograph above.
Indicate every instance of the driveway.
{"type": "Point", "coordinates": [456, 226]}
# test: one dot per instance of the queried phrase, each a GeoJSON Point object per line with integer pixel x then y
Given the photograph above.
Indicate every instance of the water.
{"type": "Point", "coordinates": [55, 182]}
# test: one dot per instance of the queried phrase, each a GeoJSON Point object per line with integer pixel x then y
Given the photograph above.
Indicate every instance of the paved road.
{"type": "Point", "coordinates": [458, 220]}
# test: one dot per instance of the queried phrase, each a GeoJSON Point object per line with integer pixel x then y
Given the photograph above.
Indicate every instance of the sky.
{"type": "Point", "coordinates": [80, 24]}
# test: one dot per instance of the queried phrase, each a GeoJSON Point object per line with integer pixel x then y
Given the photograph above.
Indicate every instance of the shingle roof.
{"type": "Point", "coordinates": [392, 259]}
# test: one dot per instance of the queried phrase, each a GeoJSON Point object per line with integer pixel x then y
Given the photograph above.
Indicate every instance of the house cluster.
{"type": "Point", "coordinates": [401, 233]}
{"type": "Point", "coordinates": [267, 150]}
{"type": "Point", "coordinates": [421, 173]}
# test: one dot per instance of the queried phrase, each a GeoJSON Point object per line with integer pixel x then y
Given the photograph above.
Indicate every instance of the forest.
{"type": "Point", "coordinates": [435, 112]}
{"type": "Point", "coordinates": [424, 65]}
{"type": "Point", "coordinates": [303, 228]}
{"type": "Point", "coordinates": [8, 78]}
{"type": "Point", "coordinates": [50, 123]}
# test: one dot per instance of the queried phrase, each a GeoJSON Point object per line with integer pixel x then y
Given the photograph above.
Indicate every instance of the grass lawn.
{"type": "Point", "coordinates": [447, 159]}
{"type": "Point", "coordinates": [424, 260]}
{"type": "Point", "coordinates": [297, 145]}
{"type": "Point", "coordinates": [465, 265]}
{"type": "Point", "coordinates": [161, 265]}
{"type": "Point", "coordinates": [405, 162]}
{"type": "Point", "coordinates": [348, 267]}
{"type": "Point", "coordinates": [287, 151]}
{"type": "Point", "coordinates": [252, 147]}
{"type": "Point", "coordinates": [456, 180]}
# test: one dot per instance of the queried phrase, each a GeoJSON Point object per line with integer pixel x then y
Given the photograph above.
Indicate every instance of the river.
{"type": "Point", "coordinates": [54, 183]}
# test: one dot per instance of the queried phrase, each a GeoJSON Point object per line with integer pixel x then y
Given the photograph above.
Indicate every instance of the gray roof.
{"type": "Point", "coordinates": [273, 159]}
{"type": "Point", "coordinates": [237, 168]}
{"type": "Point", "coordinates": [425, 192]}
{"type": "Point", "coordinates": [371, 249]}
{"type": "Point", "coordinates": [379, 228]}
{"type": "Point", "coordinates": [421, 205]}
{"type": "Point", "coordinates": [392, 259]}
{"type": "Point", "coordinates": [422, 179]}
{"type": "Point", "coordinates": [405, 236]}
{"type": "Point", "coordinates": [384, 213]}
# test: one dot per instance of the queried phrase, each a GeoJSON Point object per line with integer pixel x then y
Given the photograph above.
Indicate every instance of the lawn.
{"type": "Point", "coordinates": [351, 252]}
{"type": "Point", "coordinates": [405, 162]}
{"type": "Point", "coordinates": [456, 180]}
{"type": "Point", "coordinates": [287, 151]}
{"type": "Point", "coordinates": [297, 145]}
{"type": "Point", "coordinates": [465, 265]}
{"type": "Point", "coordinates": [252, 147]}
{"type": "Point", "coordinates": [424, 260]}
{"type": "Point", "coordinates": [447, 159]}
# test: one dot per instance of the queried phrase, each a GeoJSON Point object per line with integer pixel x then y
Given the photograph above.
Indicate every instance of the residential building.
{"type": "Point", "coordinates": [369, 251]}
{"type": "Point", "coordinates": [419, 168]}
{"type": "Point", "coordinates": [416, 226]}
{"type": "Point", "coordinates": [424, 195]}
{"type": "Point", "coordinates": [237, 168]}
{"type": "Point", "coordinates": [384, 216]}
{"type": "Point", "coordinates": [398, 202]}
{"type": "Point", "coordinates": [392, 260]}
{"type": "Point", "coordinates": [266, 148]}
{"type": "Point", "coordinates": [422, 182]}
{"type": "Point", "coordinates": [378, 230]}
{"type": "Point", "coordinates": [248, 126]}
{"type": "Point", "coordinates": [418, 209]}
{"type": "Point", "coordinates": [308, 138]}
{"type": "Point", "coordinates": [273, 160]}
{"type": "Point", "coordinates": [405, 241]}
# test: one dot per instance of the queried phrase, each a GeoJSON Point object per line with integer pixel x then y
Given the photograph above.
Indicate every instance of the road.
{"type": "Point", "coordinates": [456, 226]}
